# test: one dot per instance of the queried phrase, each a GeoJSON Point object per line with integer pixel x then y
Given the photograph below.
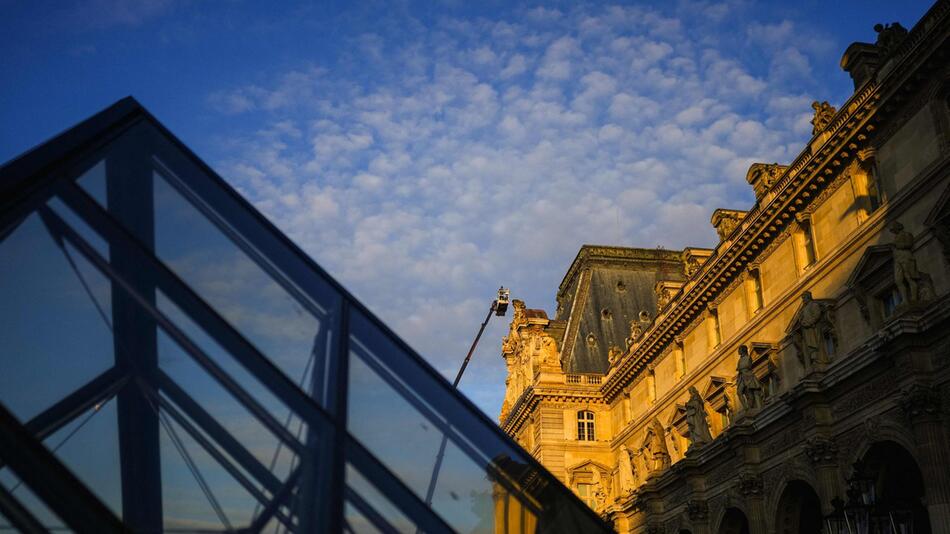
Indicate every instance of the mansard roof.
{"type": "Point", "coordinates": [617, 284]}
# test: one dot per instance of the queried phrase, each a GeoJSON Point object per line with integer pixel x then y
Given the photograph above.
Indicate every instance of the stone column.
{"type": "Point", "coordinates": [823, 454]}
{"type": "Point", "coordinates": [921, 406]}
{"type": "Point", "coordinates": [750, 487]}
{"type": "Point", "coordinates": [698, 513]}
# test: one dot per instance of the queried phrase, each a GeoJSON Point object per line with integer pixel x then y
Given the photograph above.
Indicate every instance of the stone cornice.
{"type": "Point", "coordinates": [798, 186]}
{"type": "Point", "coordinates": [532, 396]}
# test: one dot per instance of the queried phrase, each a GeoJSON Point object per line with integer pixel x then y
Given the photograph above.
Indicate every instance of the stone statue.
{"type": "Point", "coordinates": [641, 465]}
{"type": "Point", "coordinates": [696, 419]}
{"type": "Point", "coordinates": [636, 332]}
{"type": "Point", "coordinates": [613, 355]}
{"type": "Point", "coordinates": [774, 379]}
{"type": "Point", "coordinates": [747, 384]}
{"type": "Point", "coordinates": [645, 321]}
{"type": "Point", "coordinates": [889, 37]}
{"type": "Point", "coordinates": [549, 352]}
{"type": "Point", "coordinates": [661, 455]}
{"type": "Point", "coordinates": [824, 113]}
{"type": "Point", "coordinates": [663, 296]}
{"type": "Point", "coordinates": [814, 335]}
{"type": "Point", "coordinates": [625, 471]}
{"type": "Point", "coordinates": [906, 275]}
{"type": "Point", "coordinates": [597, 483]}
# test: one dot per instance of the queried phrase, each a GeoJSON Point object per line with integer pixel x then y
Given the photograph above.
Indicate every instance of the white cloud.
{"type": "Point", "coordinates": [486, 152]}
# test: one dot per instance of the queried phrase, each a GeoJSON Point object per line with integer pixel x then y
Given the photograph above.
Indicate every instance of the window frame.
{"type": "Point", "coordinates": [585, 426]}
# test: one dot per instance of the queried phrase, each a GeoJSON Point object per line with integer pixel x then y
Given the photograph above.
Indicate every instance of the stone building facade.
{"type": "Point", "coordinates": [803, 360]}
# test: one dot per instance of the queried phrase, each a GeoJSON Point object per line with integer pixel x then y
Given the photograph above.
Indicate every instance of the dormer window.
{"type": "Point", "coordinates": [585, 425]}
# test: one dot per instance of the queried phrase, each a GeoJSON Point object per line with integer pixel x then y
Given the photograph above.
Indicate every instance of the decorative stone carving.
{"type": "Point", "coordinates": [725, 221]}
{"type": "Point", "coordinates": [821, 451]}
{"type": "Point", "coordinates": [749, 484]}
{"type": "Point", "coordinates": [824, 113]}
{"type": "Point", "coordinates": [658, 450]}
{"type": "Point", "coordinates": [762, 176]}
{"type": "Point", "coordinates": [813, 332]}
{"type": "Point", "coordinates": [664, 294]}
{"type": "Point", "coordinates": [697, 510]}
{"type": "Point", "coordinates": [636, 332]}
{"type": "Point", "coordinates": [696, 419]}
{"type": "Point", "coordinates": [613, 355]}
{"type": "Point", "coordinates": [889, 37]}
{"type": "Point", "coordinates": [597, 485]}
{"type": "Point", "coordinates": [747, 384]}
{"type": "Point", "coordinates": [626, 475]}
{"type": "Point", "coordinates": [907, 277]}
{"type": "Point", "coordinates": [920, 401]}
{"type": "Point", "coordinates": [775, 379]}
{"type": "Point", "coordinates": [549, 352]}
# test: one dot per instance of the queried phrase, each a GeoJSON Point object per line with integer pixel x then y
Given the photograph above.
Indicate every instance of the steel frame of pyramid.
{"type": "Point", "coordinates": [137, 150]}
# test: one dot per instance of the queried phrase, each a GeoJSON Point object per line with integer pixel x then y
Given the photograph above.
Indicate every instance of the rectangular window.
{"type": "Point", "coordinates": [680, 360]}
{"type": "Point", "coordinates": [586, 493]}
{"type": "Point", "coordinates": [889, 299]}
{"type": "Point", "coordinates": [585, 425]}
{"type": "Point", "coordinates": [755, 282]}
{"type": "Point", "coordinates": [809, 254]}
{"type": "Point", "coordinates": [873, 192]}
{"type": "Point", "coordinates": [714, 330]}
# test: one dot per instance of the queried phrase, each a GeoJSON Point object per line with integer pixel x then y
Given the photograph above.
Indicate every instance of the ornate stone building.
{"type": "Point", "coordinates": [804, 360]}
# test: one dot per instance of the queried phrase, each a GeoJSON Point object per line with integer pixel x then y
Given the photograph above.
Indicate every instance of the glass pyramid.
{"type": "Point", "coordinates": [171, 362]}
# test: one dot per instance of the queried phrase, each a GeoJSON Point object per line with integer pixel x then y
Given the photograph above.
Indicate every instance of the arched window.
{"type": "Point", "coordinates": [585, 425]}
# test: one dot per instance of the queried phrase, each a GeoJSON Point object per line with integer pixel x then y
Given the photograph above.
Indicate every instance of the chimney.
{"type": "Point", "coordinates": [861, 61]}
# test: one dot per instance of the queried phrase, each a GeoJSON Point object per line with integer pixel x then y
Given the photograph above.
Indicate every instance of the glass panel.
{"type": "Point", "coordinates": [52, 333]}
{"type": "Point", "coordinates": [201, 495]}
{"type": "Point", "coordinates": [232, 283]}
{"type": "Point", "coordinates": [355, 522]}
{"type": "Point", "coordinates": [392, 394]}
{"type": "Point", "coordinates": [31, 502]}
{"type": "Point", "coordinates": [89, 447]}
{"type": "Point", "coordinates": [222, 405]}
{"type": "Point", "coordinates": [389, 512]}
{"type": "Point", "coordinates": [56, 329]}
{"type": "Point", "coordinates": [223, 252]}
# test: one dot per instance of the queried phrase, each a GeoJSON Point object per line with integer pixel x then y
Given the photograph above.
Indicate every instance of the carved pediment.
{"type": "Point", "coordinates": [715, 394]}
{"type": "Point", "coordinates": [677, 420]}
{"type": "Point", "coordinates": [874, 263]}
{"type": "Point", "coordinates": [587, 465]}
{"type": "Point", "coordinates": [761, 353]}
{"type": "Point", "coordinates": [939, 220]}
{"type": "Point", "coordinates": [871, 275]}
{"type": "Point", "coordinates": [941, 210]}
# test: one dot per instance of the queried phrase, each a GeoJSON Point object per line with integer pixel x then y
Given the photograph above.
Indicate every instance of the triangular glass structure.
{"type": "Point", "coordinates": [246, 388]}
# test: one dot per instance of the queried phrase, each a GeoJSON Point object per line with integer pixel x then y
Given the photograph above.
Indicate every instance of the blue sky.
{"type": "Point", "coordinates": [425, 153]}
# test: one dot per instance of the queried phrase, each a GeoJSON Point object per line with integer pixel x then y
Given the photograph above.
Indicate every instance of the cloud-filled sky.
{"type": "Point", "coordinates": [426, 154]}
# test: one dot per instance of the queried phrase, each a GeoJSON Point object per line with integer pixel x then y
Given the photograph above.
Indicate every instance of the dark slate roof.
{"type": "Point", "coordinates": [604, 290]}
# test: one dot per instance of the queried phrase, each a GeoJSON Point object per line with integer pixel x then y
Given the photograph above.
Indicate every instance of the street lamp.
{"type": "Point", "coordinates": [864, 514]}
